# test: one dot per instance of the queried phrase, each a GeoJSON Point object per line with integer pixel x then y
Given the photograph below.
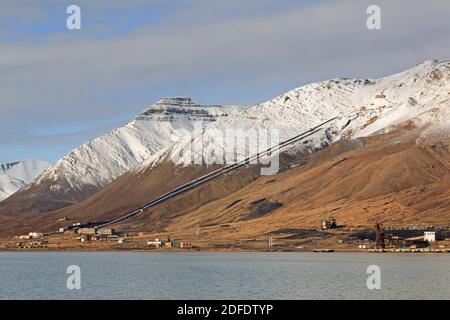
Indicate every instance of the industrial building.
{"type": "Point", "coordinates": [105, 231]}
{"type": "Point", "coordinates": [176, 244]}
{"type": "Point", "coordinates": [429, 236]}
{"type": "Point", "coordinates": [157, 243]}
{"type": "Point", "coordinates": [95, 231]}
{"type": "Point", "coordinates": [87, 231]}
{"type": "Point", "coordinates": [36, 235]}
{"type": "Point", "coordinates": [186, 245]}
{"type": "Point", "coordinates": [169, 244]}
{"type": "Point", "coordinates": [329, 224]}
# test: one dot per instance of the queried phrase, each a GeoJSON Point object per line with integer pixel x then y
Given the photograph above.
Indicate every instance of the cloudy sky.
{"type": "Point", "coordinates": [60, 87]}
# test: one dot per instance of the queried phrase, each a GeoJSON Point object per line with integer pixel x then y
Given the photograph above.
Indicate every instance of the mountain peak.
{"type": "Point", "coordinates": [429, 62]}
{"type": "Point", "coordinates": [176, 102]}
{"type": "Point", "coordinates": [172, 108]}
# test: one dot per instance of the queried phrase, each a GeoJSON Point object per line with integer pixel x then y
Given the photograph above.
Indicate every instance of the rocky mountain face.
{"type": "Point", "coordinates": [93, 165]}
{"type": "Point", "coordinates": [420, 96]}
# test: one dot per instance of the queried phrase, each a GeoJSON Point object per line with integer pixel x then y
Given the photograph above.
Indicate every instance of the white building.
{"type": "Point", "coordinates": [157, 243]}
{"type": "Point", "coordinates": [35, 235]}
{"type": "Point", "coordinates": [429, 236]}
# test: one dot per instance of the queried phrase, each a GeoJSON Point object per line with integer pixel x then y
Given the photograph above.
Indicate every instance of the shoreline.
{"type": "Point", "coordinates": [229, 251]}
{"type": "Point", "coordinates": [334, 242]}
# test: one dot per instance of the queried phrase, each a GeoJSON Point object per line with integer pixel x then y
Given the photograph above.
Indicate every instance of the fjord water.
{"type": "Point", "coordinates": [133, 275]}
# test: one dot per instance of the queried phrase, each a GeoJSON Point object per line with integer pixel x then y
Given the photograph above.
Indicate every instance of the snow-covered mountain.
{"type": "Point", "coordinates": [414, 103]}
{"type": "Point", "coordinates": [99, 161]}
{"type": "Point", "coordinates": [15, 175]}
{"type": "Point", "coordinates": [91, 166]}
{"type": "Point", "coordinates": [420, 95]}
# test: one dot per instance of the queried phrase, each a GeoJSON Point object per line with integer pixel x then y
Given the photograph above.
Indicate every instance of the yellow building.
{"type": "Point", "coordinates": [88, 231]}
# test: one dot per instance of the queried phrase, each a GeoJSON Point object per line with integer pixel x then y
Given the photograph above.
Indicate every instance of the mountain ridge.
{"type": "Point", "coordinates": [94, 164]}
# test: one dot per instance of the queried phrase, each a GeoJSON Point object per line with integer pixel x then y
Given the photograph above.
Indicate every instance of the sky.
{"type": "Point", "coordinates": [60, 88]}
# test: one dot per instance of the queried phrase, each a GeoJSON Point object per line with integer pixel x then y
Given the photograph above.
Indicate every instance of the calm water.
{"type": "Point", "coordinates": [223, 276]}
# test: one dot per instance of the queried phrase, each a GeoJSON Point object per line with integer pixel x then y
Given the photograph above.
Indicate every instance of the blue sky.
{"type": "Point", "coordinates": [60, 88]}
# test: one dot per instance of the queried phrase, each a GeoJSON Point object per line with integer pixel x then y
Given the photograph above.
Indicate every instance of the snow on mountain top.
{"type": "Point", "coordinates": [9, 185]}
{"type": "Point", "coordinates": [25, 170]}
{"type": "Point", "coordinates": [167, 109]}
{"type": "Point", "coordinates": [365, 106]}
{"type": "Point", "coordinates": [15, 175]}
{"type": "Point", "coordinates": [101, 160]}
{"type": "Point", "coordinates": [183, 102]}
{"type": "Point", "coordinates": [176, 101]}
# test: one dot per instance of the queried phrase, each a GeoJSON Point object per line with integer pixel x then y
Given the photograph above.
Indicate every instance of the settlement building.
{"type": "Point", "coordinates": [35, 235]}
{"type": "Point", "coordinates": [169, 244]}
{"type": "Point", "coordinates": [87, 231]}
{"type": "Point", "coordinates": [329, 224]}
{"type": "Point", "coordinates": [105, 231]}
{"type": "Point", "coordinates": [186, 245]}
{"type": "Point", "coordinates": [429, 236]}
{"type": "Point", "coordinates": [157, 243]}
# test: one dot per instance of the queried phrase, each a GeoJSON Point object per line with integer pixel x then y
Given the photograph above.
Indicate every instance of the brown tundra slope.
{"type": "Point", "coordinates": [389, 178]}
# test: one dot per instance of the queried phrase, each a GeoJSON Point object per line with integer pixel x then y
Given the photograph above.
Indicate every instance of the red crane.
{"type": "Point", "coordinates": [379, 240]}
